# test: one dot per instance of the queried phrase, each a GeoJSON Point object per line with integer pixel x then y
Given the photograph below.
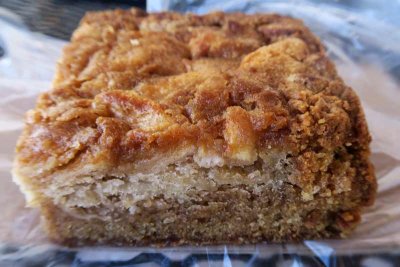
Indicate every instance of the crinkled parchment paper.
{"type": "Point", "coordinates": [367, 56]}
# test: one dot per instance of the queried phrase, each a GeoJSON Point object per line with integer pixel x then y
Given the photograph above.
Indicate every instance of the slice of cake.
{"type": "Point", "coordinates": [168, 129]}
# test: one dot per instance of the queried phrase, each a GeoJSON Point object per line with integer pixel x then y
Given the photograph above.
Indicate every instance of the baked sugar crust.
{"type": "Point", "coordinates": [220, 117]}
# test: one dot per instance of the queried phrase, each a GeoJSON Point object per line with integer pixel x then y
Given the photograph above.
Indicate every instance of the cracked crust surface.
{"type": "Point", "coordinates": [137, 93]}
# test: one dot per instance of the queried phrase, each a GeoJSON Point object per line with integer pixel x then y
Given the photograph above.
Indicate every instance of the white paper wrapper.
{"type": "Point", "coordinates": [367, 55]}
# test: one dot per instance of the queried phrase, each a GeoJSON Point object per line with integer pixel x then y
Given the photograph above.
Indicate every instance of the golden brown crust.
{"type": "Point", "coordinates": [133, 85]}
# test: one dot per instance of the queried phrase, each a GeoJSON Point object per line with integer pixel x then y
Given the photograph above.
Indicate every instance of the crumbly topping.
{"type": "Point", "coordinates": [132, 84]}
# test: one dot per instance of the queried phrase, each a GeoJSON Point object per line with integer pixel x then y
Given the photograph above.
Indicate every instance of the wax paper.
{"type": "Point", "coordinates": [366, 51]}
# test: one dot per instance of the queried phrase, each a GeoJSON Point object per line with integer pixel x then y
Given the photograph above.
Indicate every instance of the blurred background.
{"type": "Point", "coordinates": [58, 18]}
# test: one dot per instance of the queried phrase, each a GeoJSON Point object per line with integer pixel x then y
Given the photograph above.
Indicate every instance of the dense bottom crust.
{"type": "Point", "coordinates": [240, 215]}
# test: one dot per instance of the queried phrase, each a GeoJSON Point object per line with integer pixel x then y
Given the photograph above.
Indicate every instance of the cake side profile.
{"type": "Point", "coordinates": [170, 129]}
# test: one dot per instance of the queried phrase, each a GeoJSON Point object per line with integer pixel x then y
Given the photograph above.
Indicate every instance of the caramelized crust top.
{"type": "Point", "coordinates": [225, 87]}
